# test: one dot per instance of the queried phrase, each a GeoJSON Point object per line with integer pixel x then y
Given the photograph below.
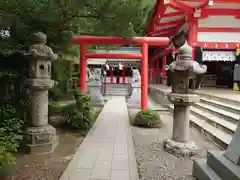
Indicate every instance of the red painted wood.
{"type": "Point", "coordinates": [154, 15]}
{"type": "Point", "coordinates": [215, 45]}
{"type": "Point", "coordinates": [185, 9]}
{"type": "Point", "coordinates": [164, 60]}
{"type": "Point", "coordinates": [171, 22]}
{"type": "Point", "coordinates": [111, 75]}
{"type": "Point", "coordinates": [124, 75]}
{"type": "Point", "coordinates": [144, 77]}
{"type": "Point", "coordinates": [83, 67]}
{"type": "Point", "coordinates": [114, 56]}
{"type": "Point", "coordinates": [182, 7]}
{"type": "Point", "coordinates": [218, 29]}
{"type": "Point", "coordinates": [153, 41]}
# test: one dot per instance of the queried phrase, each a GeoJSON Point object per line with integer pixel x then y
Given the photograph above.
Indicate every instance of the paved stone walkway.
{"type": "Point", "coordinates": [107, 152]}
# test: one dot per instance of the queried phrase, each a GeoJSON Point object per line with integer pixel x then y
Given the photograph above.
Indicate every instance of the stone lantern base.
{"type": "Point", "coordinates": [182, 149]}
{"type": "Point", "coordinates": [135, 99]}
{"type": "Point", "coordinates": [40, 140]}
{"type": "Point", "coordinates": [180, 144]}
{"type": "Point", "coordinates": [95, 90]}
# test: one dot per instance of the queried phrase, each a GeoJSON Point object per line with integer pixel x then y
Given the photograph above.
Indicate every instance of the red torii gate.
{"type": "Point", "coordinates": [144, 42]}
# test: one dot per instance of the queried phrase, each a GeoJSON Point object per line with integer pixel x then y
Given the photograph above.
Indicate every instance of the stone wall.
{"type": "Point", "coordinates": [159, 96]}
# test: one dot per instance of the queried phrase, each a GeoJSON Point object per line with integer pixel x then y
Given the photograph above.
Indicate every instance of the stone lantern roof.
{"type": "Point", "coordinates": [185, 52]}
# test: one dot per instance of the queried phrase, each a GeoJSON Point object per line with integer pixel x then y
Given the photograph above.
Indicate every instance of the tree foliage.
{"type": "Point", "coordinates": [59, 19]}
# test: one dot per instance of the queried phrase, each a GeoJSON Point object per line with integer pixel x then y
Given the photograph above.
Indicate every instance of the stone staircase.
{"type": "Point", "coordinates": [215, 167]}
{"type": "Point", "coordinates": [116, 89]}
{"type": "Point", "coordinates": [215, 117]}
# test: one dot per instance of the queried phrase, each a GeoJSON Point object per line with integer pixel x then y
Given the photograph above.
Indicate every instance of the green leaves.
{"type": "Point", "coordinates": [11, 128]}
{"type": "Point", "coordinates": [80, 115]}
{"type": "Point", "coordinates": [6, 159]}
{"type": "Point", "coordinates": [84, 17]}
{"type": "Point", "coordinates": [147, 118]}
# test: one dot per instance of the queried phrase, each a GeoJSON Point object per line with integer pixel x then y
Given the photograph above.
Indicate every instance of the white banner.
{"type": "Point", "coordinates": [219, 56]}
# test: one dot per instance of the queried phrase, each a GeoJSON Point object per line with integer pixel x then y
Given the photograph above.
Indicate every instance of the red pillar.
{"type": "Point", "coordinates": [83, 67]}
{"type": "Point", "coordinates": [157, 70]}
{"type": "Point", "coordinates": [111, 75]}
{"type": "Point", "coordinates": [192, 35]}
{"type": "Point", "coordinates": [144, 79]}
{"type": "Point", "coordinates": [124, 75]}
{"type": "Point", "coordinates": [163, 70]}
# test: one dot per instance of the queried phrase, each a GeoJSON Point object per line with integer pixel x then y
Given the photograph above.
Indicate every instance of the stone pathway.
{"type": "Point", "coordinates": [107, 152]}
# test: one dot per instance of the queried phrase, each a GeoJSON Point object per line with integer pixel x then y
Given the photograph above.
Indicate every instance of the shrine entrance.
{"type": "Point", "coordinates": [117, 77]}
{"type": "Point", "coordinates": [143, 42]}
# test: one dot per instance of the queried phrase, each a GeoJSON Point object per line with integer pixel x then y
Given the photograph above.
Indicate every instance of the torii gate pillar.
{"type": "Point", "coordinates": [144, 78]}
{"type": "Point", "coordinates": [143, 42]}
{"type": "Point", "coordinates": [83, 67]}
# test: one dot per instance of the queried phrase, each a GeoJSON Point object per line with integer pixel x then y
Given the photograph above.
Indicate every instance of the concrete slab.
{"type": "Point", "coordinates": [107, 151]}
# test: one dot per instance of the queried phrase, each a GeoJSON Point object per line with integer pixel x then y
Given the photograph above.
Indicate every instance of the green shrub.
{"type": "Point", "coordinates": [55, 93]}
{"type": "Point", "coordinates": [54, 108]}
{"type": "Point", "coordinates": [61, 72]}
{"type": "Point", "coordinates": [80, 115]}
{"type": "Point", "coordinates": [6, 160]}
{"type": "Point", "coordinates": [147, 118]}
{"type": "Point", "coordinates": [11, 128]}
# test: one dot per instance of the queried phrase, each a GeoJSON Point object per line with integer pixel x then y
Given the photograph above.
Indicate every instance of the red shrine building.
{"type": "Point", "coordinates": [212, 28]}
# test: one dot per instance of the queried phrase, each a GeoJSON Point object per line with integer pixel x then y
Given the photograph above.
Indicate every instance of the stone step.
{"type": "Point", "coordinates": [117, 91]}
{"type": "Point", "coordinates": [202, 171]}
{"type": "Point", "coordinates": [220, 113]}
{"type": "Point", "coordinates": [116, 85]}
{"type": "Point", "coordinates": [114, 91]}
{"type": "Point", "coordinates": [214, 134]}
{"type": "Point", "coordinates": [116, 94]}
{"type": "Point", "coordinates": [215, 121]}
{"type": "Point", "coordinates": [117, 88]}
{"type": "Point", "coordinates": [219, 99]}
{"type": "Point", "coordinates": [222, 166]}
{"type": "Point", "coordinates": [221, 105]}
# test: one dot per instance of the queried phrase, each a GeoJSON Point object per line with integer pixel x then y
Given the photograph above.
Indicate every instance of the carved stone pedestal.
{"type": "Point", "coordinates": [135, 99]}
{"type": "Point", "coordinates": [40, 140]}
{"type": "Point", "coordinates": [180, 144]}
{"type": "Point", "coordinates": [181, 149]}
{"type": "Point", "coordinates": [94, 88]}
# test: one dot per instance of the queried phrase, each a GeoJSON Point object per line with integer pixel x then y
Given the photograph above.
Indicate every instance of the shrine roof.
{"type": "Point", "coordinates": [171, 16]}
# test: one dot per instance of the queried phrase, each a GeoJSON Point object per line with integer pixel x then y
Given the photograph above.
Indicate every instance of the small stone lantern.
{"type": "Point", "coordinates": [182, 71]}
{"type": "Point", "coordinates": [40, 137]}
{"type": "Point", "coordinates": [95, 88]}
{"type": "Point", "coordinates": [135, 99]}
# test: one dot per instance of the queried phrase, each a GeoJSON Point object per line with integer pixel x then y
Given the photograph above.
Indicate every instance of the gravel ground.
{"type": "Point", "coordinates": [49, 167]}
{"type": "Point", "coordinates": [156, 164]}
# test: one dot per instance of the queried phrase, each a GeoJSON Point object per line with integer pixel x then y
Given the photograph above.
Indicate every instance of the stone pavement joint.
{"type": "Point", "coordinates": [107, 152]}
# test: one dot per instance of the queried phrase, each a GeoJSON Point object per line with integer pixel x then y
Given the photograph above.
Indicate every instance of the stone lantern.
{"type": "Point", "coordinates": [135, 99]}
{"type": "Point", "coordinates": [40, 137]}
{"type": "Point", "coordinates": [95, 88]}
{"type": "Point", "coordinates": [182, 71]}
